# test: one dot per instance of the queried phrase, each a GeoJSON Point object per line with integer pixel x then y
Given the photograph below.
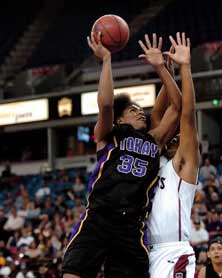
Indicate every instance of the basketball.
{"type": "Point", "coordinates": [114, 32]}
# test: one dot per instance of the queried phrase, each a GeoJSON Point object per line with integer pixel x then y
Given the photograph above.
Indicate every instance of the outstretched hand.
{"type": "Point", "coordinates": [99, 50]}
{"type": "Point", "coordinates": [182, 49]}
{"type": "Point", "coordinates": [152, 52]}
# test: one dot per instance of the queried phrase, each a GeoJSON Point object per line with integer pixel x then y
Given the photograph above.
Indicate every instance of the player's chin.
{"type": "Point", "coordinates": [141, 125]}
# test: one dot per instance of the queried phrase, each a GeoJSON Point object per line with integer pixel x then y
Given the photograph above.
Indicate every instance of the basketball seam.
{"type": "Point", "coordinates": [115, 42]}
{"type": "Point", "coordinates": [120, 34]}
{"type": "Point", "coordinates": [120, 43]}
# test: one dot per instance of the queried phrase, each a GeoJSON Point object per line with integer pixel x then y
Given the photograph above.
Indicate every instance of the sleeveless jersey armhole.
{"type": "Point", "coordinates": [176, 174]}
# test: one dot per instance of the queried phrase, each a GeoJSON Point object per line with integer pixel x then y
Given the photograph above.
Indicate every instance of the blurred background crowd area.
{"type": "Point", "coordinates": [39, 212]}
{"type": "Point", "coordinates": [47, 150]}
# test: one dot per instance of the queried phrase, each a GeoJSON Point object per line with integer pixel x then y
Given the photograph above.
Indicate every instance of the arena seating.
{"type": "Point", "coordinates": [47, 206]}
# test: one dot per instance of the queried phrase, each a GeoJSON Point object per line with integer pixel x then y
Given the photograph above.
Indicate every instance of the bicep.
{"type": "Point", "coordinates": [104, 123]}
{"type": "Point", "coordinates": [156, 117]}
{"type": "Point", "coordinates": [160, 106]}
{"type": "Point", "coordinates": [189, 141]}
{"type": "Point", "coordinates": [187, 157]}
{"type": "Point", "coordinates": [154, 121]}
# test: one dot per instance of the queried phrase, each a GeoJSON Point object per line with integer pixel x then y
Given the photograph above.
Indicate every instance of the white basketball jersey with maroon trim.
{"type": "Point", "coordinates": [169, 220]}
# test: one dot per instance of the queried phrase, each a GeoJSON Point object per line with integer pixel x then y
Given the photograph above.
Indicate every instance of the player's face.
{"type": "Point", "coordinates": [133, 115]}
{"type": "Point", "coordinates": [215, 253]}
{"type": "Point", "coordinates": [172, 146]}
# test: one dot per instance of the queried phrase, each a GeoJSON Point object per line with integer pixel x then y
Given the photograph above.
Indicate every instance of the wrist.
{"type": "Point", "coordinates": [160, 67]}
{"type": "Point", "coordinates": [185, 66]}
{"type": "Point", "coordinates": [107, 58]}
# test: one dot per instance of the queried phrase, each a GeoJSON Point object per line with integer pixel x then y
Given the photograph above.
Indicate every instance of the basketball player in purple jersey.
{"type": "Point", "coordinates": [124, 178]}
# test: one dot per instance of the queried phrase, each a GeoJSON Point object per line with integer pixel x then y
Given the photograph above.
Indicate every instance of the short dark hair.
{"type": "Point", "coordinates": [216, 239]}
{"type": "Point", "coordinates": [121, 102]}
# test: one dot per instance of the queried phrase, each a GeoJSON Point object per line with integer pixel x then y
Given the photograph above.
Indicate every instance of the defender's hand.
{"type": "Point", "coordinates": [152, 52]}
{"type": "Point", "coordinates": [182, 49]}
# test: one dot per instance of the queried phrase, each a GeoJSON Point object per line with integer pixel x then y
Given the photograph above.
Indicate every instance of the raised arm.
{"type": "Point", "coordinates": [105, 91]}
{"type": "Point", "coordinates": [153, 55]}
{"type": "Point", "coordinates": [162, 101]}
{"type": "Point", "coordinates": [160, 115]}
{"type": "Point", "coordinates": [187, 158]}
{"type": "Point", "coordinates": [159, 108]}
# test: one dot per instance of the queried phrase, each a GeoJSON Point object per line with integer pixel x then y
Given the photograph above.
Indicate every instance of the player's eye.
{"type": "Point", "coordinates": [175, 140]}
{"type": "Point", "coordinates": [132, 110]}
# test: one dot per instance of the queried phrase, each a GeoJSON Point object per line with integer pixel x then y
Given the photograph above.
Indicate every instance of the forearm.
{"type": "Point", "coordinates": [160, 106]}
{"type": "Point", "coordinates": [172, 90]}
{"type": "Point", "coordinates": [188, 99]}
{"type": "Point", "coordinates": [105, 92]}
{"type": "Point", "coordinates": [161, 103]}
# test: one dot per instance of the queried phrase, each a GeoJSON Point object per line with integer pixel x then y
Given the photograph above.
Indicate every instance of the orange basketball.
{"type": "Point", "coordinates": [114, 31]}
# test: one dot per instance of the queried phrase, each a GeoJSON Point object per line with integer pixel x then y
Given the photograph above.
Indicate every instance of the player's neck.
{"type": "Point", "coordinates": [218, 269]}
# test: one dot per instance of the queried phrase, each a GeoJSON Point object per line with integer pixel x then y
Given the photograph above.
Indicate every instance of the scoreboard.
{"type": "Point", "coordinates": [76, 106]}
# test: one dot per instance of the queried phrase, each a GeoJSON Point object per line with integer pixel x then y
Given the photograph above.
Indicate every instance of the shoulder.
{"type": "Point", "coordinates": [101, 145]}
{"type": "Point", "coordinates": [151, 135]}
{"type": "Point", "coordinates": [186, 169]}
{"type": "Point", "coordinates": [121, 130]}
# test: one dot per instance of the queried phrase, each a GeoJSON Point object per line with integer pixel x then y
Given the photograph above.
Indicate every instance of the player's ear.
{"type": "Point", "coordinates": [118, 120]}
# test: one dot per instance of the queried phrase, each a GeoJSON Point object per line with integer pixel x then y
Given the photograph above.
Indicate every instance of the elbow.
{"type": "Point", "coordinates": [176, 109]}
{"type": "Point", "coordinates": [105, 104]}
{"type": "Point", "coordinates": [189, 115]}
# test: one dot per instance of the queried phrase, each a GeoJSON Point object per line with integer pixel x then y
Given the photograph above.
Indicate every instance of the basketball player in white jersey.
{"type": "Point", "coordinates": [169, 224]}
